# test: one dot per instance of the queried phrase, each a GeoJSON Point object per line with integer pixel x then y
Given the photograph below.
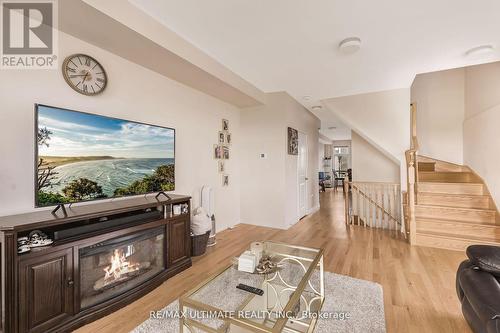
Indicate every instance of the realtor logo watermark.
{"type": "Point", "coordinates": [29, 35]}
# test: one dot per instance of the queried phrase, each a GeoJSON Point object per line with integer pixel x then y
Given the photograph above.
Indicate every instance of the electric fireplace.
{"type": "Point", "coordinates": [104, 257]}
{"type": "Point", "coordinates": [109, 268]}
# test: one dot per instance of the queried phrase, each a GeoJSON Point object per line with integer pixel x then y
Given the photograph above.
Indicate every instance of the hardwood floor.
{"type": "Point", "coordinates": [418, 282]}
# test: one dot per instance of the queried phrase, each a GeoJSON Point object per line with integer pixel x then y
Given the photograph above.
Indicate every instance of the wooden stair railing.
{"type": "Point", "coordinates": [363, 204]}
{"type": "Point", "coordinates": [410, 198]}
{"type": "Point", "coordinates": [376, 205]}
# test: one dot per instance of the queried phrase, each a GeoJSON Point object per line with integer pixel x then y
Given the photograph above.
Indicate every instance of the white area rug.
{"type": "Point", "coordinates": [362, 300]}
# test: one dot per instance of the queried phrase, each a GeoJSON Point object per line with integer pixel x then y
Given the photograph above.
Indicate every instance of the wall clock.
{"type": "Point", "coordinates": [84, 74]}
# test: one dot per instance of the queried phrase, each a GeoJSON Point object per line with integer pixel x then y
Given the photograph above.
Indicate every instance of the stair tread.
{"type": "Point", "coordinates": [458, 208]}
{"type": "Point", "coordinates": [465, 181]}
{"type": "Point", "coordinates": [475, 183]}
{"type": "Point", "coordinates": [425, 159]}
{"type": "Point", "coordinates": [455, 209]}
{"type": "Point", "coordinates": [473, 224]}
{"type": "Point", "coordinates": [451, 188]}
{"type": "Point", "coordinates": [451, 236]}
{"type": "Point", "coordinates": [437, 194]}
{"type": "Point", "coordinates": [424, 166]}
{"type": "Point", "coordinates": [455, 176]}
{"type": "Point", "coordinates": [454, 200]}
{"type": "Point", "coordinates": [450, 172]}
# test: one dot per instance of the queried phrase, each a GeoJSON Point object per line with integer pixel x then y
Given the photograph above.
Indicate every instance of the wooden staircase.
{"type": "Point", "coordinates": [453, 207]}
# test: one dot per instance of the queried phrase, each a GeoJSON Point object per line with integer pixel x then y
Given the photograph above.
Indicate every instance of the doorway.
{"type": "Point", "coordinates": [302, 175]}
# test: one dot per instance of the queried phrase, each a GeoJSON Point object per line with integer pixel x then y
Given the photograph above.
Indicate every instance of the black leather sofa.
{"type": "Point", "coordinates": [478, 288]}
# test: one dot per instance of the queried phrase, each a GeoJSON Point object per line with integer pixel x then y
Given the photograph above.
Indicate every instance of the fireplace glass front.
{"type": "Point", "coordinates": [109, 268]}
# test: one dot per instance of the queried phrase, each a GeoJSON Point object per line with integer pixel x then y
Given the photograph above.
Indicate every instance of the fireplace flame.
{"type": "Point", "coordinates": [119, 267]}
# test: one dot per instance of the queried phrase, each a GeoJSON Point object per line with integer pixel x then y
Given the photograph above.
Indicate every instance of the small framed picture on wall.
{"type": "Point", "coordinates": [225, 180]}
{"type": "Point", "coordinates": [222, 138]}
{"type": "Point", "coordinates": [225, 152]}
{"type": "Point", "coordinates": [228, 138]}
{"type": "Point", "coordinates": [225, 125]}
{"type": "Point", "coordinates": [218, 152]}
{"type": "Point", "coordinates": [222, 166]}
{"type": "Point", "coordinates": [293, 141]}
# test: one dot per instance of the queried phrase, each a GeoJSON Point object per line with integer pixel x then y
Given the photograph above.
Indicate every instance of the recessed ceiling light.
{"type": "Point", "coordinates": [306, 98]}
{"type": "Point", "coordinates": [350, 45]}
{"type": "Point", "coordinates": [483, 49]}
{"type": "Point", "coordinates": [317, 107]}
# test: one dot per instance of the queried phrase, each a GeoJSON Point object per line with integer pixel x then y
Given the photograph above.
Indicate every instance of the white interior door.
{"type": "Point", "coordinates": [302, 175]}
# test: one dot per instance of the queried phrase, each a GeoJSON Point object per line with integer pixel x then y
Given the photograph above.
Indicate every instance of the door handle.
{"type": "Point", "coordinates": [306, 178]}
{"type": "Point", "coordinates": [70, 282]}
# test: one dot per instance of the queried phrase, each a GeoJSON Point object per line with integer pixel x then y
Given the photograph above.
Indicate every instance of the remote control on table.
{"type": "Point", "coordinates": [250, 289]}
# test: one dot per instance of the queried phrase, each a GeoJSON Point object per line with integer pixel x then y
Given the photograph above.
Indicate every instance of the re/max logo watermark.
{"type": "Point", "coordinates": [29, 35]}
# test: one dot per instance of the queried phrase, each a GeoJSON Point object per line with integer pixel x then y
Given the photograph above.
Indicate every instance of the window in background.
{"type": "Point", "coordinates": [342, 158]}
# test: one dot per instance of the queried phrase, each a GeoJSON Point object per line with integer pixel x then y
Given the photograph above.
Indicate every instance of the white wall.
{"type": "Point", "coordinates": [458, 116]}
{"type": "Point", "coordinates": [439, 99]}
{"type": "Point", "coordinates": [296, 116]}
{"type": "Point", "coordinates": [382, 118]}
{"type": "Point", "coordinates": [133, 93]}
{"type": "Point", "coordinates": [269, 188]}
{"type": "Point", "coordinates": [263, 179]}
{"type": "Point", "coordinates": [482, 123]}
{"type": "Point", "coordinates": [370, 165]}
{"type": "Point", "coordinates": [321, 155]}
{"type": "Point", "coordinates": [482, 84]}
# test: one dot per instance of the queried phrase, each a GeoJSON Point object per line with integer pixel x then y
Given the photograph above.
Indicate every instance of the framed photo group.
{"type": "Point", "coordinates": [221, 151]}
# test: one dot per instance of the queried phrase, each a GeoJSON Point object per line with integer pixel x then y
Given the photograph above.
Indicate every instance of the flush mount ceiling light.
{"type": "Point", "coordinates": [332, 127]}
{"type": "Point", "coordinates": [316, 107]}
{"type": "Point", "coordinates": [306, 98]}
{"type": "Point", "coordinates": [350, 45]}
{"type": "Point", "coordinates": [478, 50]}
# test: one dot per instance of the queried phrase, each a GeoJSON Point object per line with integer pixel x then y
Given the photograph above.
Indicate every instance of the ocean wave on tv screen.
{"type": "Point", "coordinates": [109, 174]}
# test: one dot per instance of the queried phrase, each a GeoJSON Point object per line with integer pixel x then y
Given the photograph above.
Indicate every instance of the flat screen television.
{"type": "Point", "coordinates": [81, 156]}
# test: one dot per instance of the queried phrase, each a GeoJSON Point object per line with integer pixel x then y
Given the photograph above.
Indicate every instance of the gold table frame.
{"type": "Point", "coordinates": [280, 325]}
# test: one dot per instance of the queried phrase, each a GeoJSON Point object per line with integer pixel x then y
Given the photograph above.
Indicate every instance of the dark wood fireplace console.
{"type": "Point", "coordinates": [104, 256]}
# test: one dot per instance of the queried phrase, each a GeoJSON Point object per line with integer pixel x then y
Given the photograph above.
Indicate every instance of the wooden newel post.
{"type": "Point", "coordinates": [411, 203]}
{"type": "Point", "coordinates": [346, 198]}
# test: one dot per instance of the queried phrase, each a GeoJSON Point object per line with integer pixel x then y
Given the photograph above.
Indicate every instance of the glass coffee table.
{"type": "Point", "coordinates": [293, 296]}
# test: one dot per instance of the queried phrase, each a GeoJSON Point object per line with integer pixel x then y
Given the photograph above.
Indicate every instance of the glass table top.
{"type": "Point", "coordinates": [293, 290]}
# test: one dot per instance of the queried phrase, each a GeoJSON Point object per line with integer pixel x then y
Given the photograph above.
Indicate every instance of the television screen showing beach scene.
{"type": "Point", "coordinates": [82, 156]}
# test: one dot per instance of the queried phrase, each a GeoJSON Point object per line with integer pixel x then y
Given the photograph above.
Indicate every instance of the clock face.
{"type": "Point", "coordinates": [84, 74]}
